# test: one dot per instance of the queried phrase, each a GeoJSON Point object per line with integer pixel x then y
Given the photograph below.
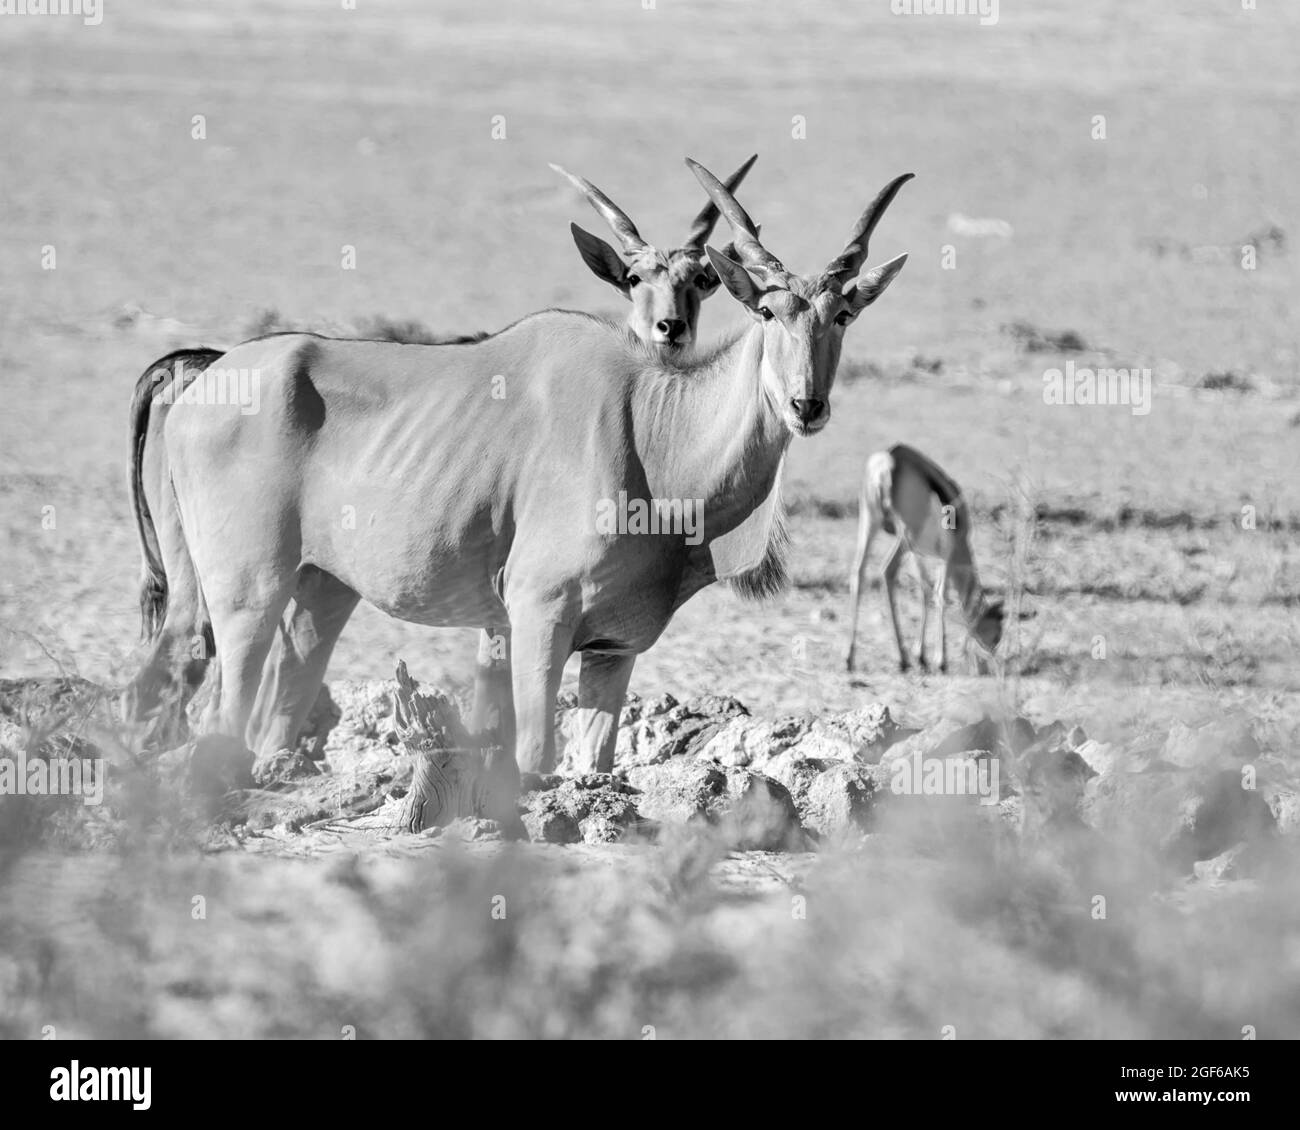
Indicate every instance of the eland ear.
{"type": "Point", "coordinates": [738, 281]}
{"type": "Point", "coordinates": [603, 260]}
{"type": "Point", "coordinates": [872, 285]}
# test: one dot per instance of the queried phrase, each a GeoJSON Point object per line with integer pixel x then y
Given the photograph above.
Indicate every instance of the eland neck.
{"type": "Point", "coordinates": [711, 432]}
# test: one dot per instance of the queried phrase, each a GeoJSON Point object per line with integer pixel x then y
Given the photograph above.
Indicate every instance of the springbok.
{"type": "Point", "coordinates": [665, 298]}
{"type": "Point", "coordinates": [906, 494]}
{"type": "Point", "coordinates": [665, 288]}
{"type": "Point", "coordinates": [477, 475]}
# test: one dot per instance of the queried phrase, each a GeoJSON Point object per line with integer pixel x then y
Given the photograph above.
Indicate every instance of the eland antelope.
{"type": "Point", "coordinates": [665, 288]}
{"type": "Point", "coordinates": [910, 496]}
{"type": "Point", "coordinates": [475, 509]}
{"type": "Point", "coordinates": [665, 297]}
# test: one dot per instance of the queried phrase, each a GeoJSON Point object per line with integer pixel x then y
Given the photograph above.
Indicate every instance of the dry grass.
{"type": "Point", "coordinates": [929, 924]}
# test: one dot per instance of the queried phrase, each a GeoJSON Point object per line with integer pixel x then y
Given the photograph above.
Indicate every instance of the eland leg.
{"type": "Point", "coordinates": [154, 702]}
{"type": "Point", "coordinates": [539, 646]}
{"type": "Point", "coordinates": [244, 605]}
{"type": "Point", "coordinates": [494, 708]}
{"type": "Point", "coordinates": [295, 667]}
{"type": "Point", "coordinates": [177, 663]}
{"type": "Point", "coordinates": [602, 687]}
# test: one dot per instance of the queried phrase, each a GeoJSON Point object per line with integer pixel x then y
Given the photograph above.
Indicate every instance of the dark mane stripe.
{"type": "Point", "coordinates": [449, 339]}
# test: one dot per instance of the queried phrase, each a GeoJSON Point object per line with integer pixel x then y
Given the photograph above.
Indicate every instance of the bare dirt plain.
{"type": "Point", "coordinates": [373, 129]}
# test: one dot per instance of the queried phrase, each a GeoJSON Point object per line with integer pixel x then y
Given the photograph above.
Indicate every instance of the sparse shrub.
{"type": "Point", "coordinates": [409, 332]}
{"type": "Point", "coordinates": [1228, 380]}
{"type": "Point", "coordinates": [1031, 339]}
{"type": "Point", "coordinates": [267, 321]}
{"type": "Point", "coordinates": [895, 371]}
{"type": "Point", "coordinates": [851, 372]}
{"type": "Point", "coordinates": [804, 505]}
{"type": "Point", "coordinates": [375, 327]}
{"type": "Point", "coordinates": [1269, 234]}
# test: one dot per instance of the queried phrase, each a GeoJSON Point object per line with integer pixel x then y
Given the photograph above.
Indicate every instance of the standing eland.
{"type": "Point", "coordinates": [671, 283]}
{"type": "Point", "coordinates": [666, 290]}
{"type": "Point", "coordinates": [471, 509]}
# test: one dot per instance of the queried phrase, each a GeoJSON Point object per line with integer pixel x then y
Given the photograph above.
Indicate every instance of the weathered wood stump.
{"type": "Point", "coordinates": [448, 766]}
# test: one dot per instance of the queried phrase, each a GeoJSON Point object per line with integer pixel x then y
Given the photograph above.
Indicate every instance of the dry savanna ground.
{"type": "Point", "coordinates": [1152, 557]}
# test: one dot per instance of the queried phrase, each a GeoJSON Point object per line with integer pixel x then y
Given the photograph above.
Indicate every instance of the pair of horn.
{"type": "Point", "coordinates": [840, 270]}
{"type": "Point", "coordinates": [701, 227]}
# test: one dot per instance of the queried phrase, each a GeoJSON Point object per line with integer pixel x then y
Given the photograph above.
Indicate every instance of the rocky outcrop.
{"type": "Point", "coordinates": [751, 812]}
{"type": "Point", "coordinates": [596, 808]}
{"type": "Point", "coordinates": [1206, 799]}
{"type": "Point", "coordinates": [784, 783]}
{"type": "Point", "coordinates": [652, 730]}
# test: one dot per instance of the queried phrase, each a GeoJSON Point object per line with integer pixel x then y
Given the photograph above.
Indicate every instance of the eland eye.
{"type": "Point", "coordinates": [843, 318]}
{"type": "Point", "coordinates": [766, 313]}
{"type": "Point", "coordinates": [632, 280]}
{"type": "Point", "coordinates": [702, 282]}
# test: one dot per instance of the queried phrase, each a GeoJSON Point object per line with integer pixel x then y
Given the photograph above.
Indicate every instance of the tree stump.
{"type": "Point", "coordinates": [448, 779]}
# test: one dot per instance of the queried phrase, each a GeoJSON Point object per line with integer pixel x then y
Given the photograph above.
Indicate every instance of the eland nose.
{"type": "Point", "coordinates": [671, 328]}
{"type": "Point", "coordinates": [808, 410]}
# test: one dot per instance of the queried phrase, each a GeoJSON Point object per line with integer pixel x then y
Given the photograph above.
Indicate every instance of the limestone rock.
{"type": "Point", "coordinates": [752, 812]}
{"type": "Point", "coordinates": [842, 798]}
{"type": "Point", "coordinates": [1182, 815]}
{"type": "Point", "coordinates": [597, 808]}
{"type": "Point", "coordinates": [746, 741]}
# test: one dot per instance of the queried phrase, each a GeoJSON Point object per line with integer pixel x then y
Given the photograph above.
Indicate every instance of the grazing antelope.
{"type": "Point", "coordinates": [473, 509]}
{"type": "Point", "coordinates": [906, 494]}
{"type": "Point", "coordinates": [664, 287]}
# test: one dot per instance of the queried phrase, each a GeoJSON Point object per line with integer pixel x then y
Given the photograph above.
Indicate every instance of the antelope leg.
{"type": "Point", "coordinates": [296, 666]}
{"type": "Point", "coordinates": [494, 707]}
{"type": "Point", "coordinates": [602, 686]}
{"type": "Point", "coordinates": [539, 645]}
{"type": "Point", "coordinates": [892, 564]}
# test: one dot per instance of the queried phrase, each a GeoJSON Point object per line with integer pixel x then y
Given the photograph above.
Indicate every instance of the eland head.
{"type": "Point", "coordinates": [664, 287]}
{"type": "Point", "coordinates": [803, 317]}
